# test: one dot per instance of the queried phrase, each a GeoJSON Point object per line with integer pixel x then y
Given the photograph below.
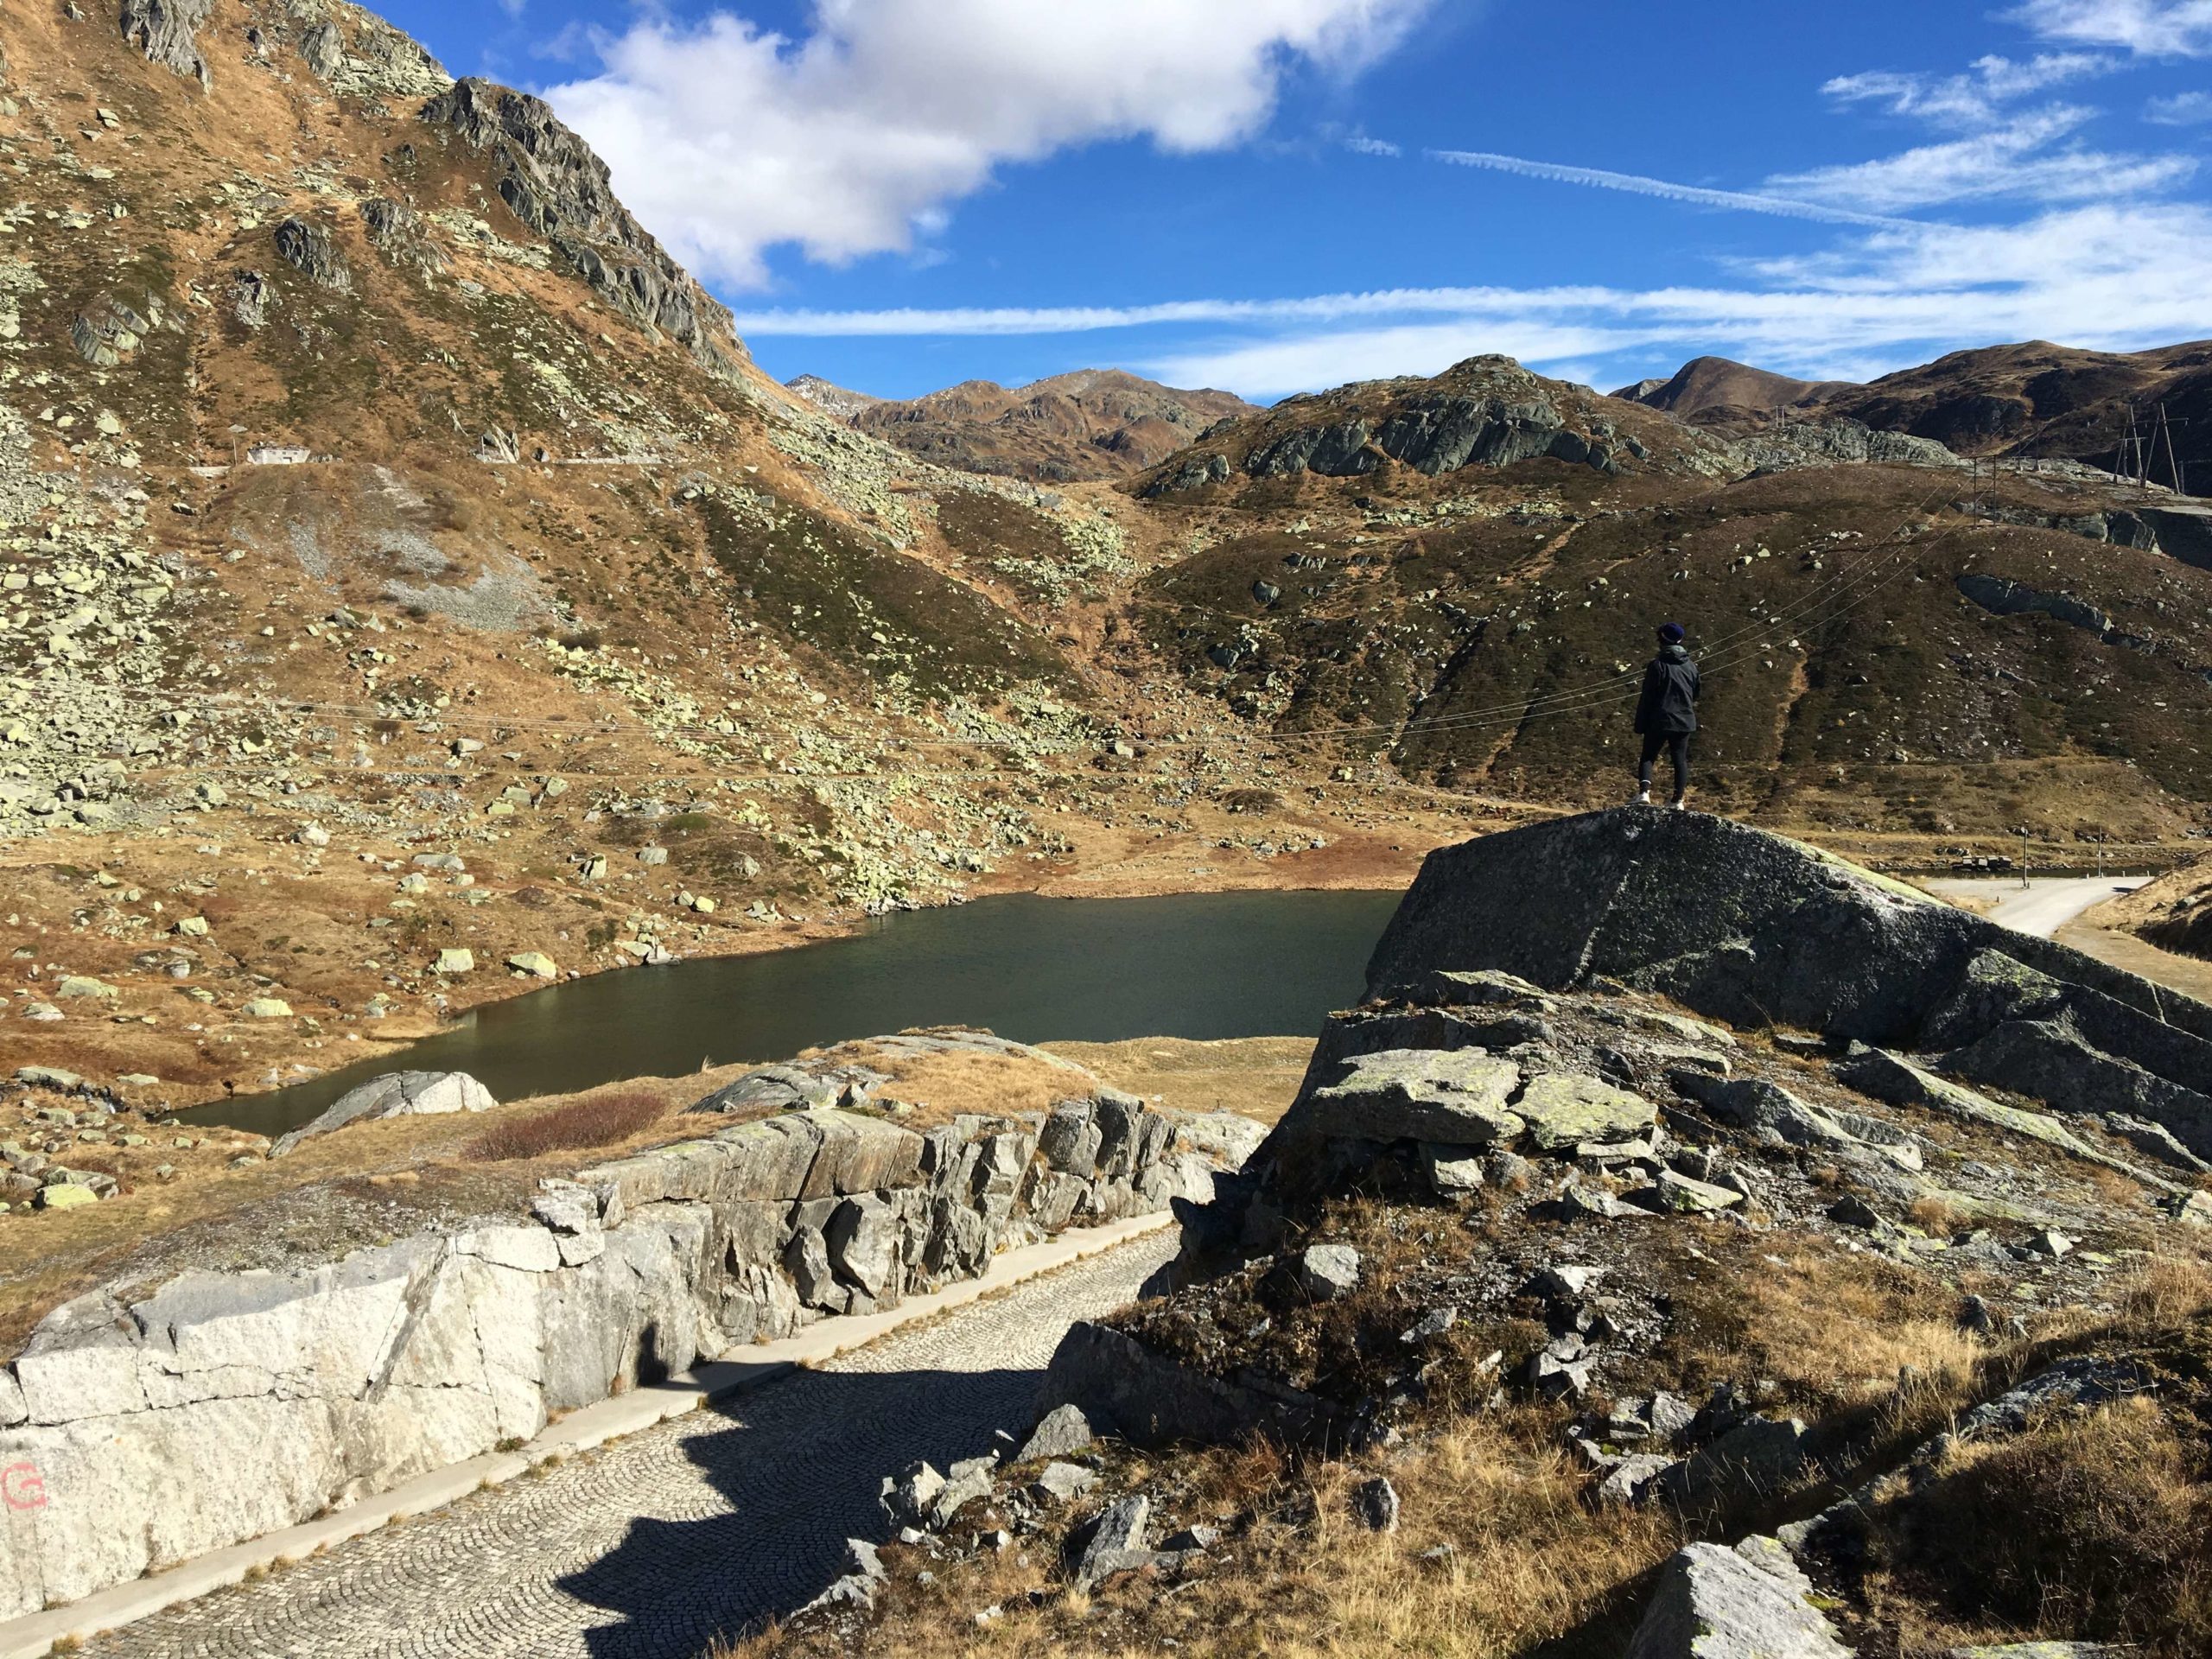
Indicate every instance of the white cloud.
{"type": "Point", "coordinates": [727, 140]}
{"type": "Point", "coordinates": [1305, 362]}
{"type": "Point", "coordinates": [1968, 99]}
{"type": "Point", "coordinates": [2115, 276]}
{"type": "Point", "coordinates": [1072, 320]}
{"type": "Point", "coordinates": [2013, 159]}
{"type": "Point", "coordinates": [2150, 29]}
{"type": "Point", "coordinates": [1361, 144]}
{"type": "Point", "coordinates": [1637, 185]}
{"type": "Point", "coordinates": [2182, 109]}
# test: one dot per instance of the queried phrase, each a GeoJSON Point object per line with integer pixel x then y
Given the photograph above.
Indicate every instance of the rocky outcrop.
{"type": "Point", "coordinates": [323, 49]}
{"type": "Point", "coordinates": [223, 1406]}
{"type": "Point", "coordinates": [1751, 1602]}
{"type": "Point", "coordinates": [163, 29]}
{"type": "Point", "coordinates": [397, 231]}
{"type": "Point", "coordinates": [556, 184]}
{"type": "Point", "coordinates": [399, 1094]}
{"type": "Point", "coordinates": [2002, 596]}
{"type": "Point", "coordinates": [1758, 930]}
{"type": "Point", "coordinates": [308, 248]}
{"type": "Point", "coordinates": [1822, 443]}
{"type": "Point", "coordinates": [1433, 435]}
{"type": "Point", "coordinates": [2115, 525]}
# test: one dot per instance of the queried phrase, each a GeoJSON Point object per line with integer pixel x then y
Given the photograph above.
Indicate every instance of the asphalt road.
{"type": "Point", "coordinates": [2041, 907]}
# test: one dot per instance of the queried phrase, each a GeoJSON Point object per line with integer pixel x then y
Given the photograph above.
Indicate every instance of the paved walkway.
{"type": "Point", "coordinates": [656, 1544]}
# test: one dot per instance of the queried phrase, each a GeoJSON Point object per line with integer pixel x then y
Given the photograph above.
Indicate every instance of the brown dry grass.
{"type": "Point", "coordinates": [1255, 1076]}
{"type": "Point", "coordinates": [1832, 1328]}
{"type": "Point", "coordinates": [2095, 1528]}
{"type": "Point", "coordinates": [942, 1086]}
{"type": "Point", "coordinates": [603, 1119]}
{"type": "Point", "coordinates": [2118, 1542]}
{"type": "Point", "coordinates": [1525, 1562]}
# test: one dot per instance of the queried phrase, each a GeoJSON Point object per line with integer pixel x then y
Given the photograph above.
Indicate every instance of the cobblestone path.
{"type": "Point", "coordinates": [656, 1544]}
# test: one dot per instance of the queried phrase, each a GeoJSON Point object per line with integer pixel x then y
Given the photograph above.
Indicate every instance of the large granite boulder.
{"type": "Point", "coordinates": [397, 1094]}
{"type": "Point", "coordinates": [1758, 929]}
{"type": "Point", "coordinates": [1751, 1602]}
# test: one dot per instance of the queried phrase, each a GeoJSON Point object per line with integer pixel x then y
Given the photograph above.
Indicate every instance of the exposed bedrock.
{"type": "Point", "coordinates": [1756, 929]}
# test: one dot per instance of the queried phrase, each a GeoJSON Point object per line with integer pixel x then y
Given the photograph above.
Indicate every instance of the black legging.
{"type": "Point", "coordinates": [1677, 744]}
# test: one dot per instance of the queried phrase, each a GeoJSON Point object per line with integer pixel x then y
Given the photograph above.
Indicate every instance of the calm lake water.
{"type": "Point", "coordinates": [1198, 965]}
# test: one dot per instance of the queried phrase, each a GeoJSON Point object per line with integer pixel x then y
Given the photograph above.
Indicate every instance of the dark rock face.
{"type": "Point", "coordinates": [164, 30]}
{"type": "Point", "coordinates": [2001, 596]}
{"type": "Point", "coordinates": [1195, 472]}
{"type": "Point", "coordinates": [557, 185]}
{"type": "Point", "coordinates": [2116, 525]}
{"type": "Point", "coordinates": [306, 247]}
{"type": "Point", "coordinates": [396, 231]}
{"type": "Point", "coordinates": [1756, 930]}
{"type": "Point", "coordinates": [1432, 436]}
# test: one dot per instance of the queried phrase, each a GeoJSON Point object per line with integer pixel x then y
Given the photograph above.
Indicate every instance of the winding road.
{"type": "Point", "coordinates": [2042, 907]}
{"type": "Point", "coordinates": [656, 1544]}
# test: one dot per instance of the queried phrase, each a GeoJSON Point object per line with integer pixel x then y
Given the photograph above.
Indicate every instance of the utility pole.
{"type": "Point", "coordinates": [2166, 432]}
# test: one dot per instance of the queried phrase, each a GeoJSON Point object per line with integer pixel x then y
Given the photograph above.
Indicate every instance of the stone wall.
{"type": "Point", "coordinates": [227, 1405]}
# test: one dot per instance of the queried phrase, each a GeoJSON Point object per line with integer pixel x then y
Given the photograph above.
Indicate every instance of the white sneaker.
{"type": "Point", "coordinates": [1675, 805]}
{"type": "Point", "coordinates": [1643, 798]}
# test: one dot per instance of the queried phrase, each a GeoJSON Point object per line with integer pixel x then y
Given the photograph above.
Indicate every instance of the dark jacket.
{"type": "Point", "coordinates": [1668, 702]}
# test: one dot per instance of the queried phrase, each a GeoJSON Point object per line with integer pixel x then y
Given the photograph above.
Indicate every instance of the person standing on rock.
{"type": "Point", "coordinates": [1666, 713]}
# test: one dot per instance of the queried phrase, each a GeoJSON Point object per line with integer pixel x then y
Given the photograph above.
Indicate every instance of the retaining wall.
{"type": "Point", "coordinates": [227, 1405]}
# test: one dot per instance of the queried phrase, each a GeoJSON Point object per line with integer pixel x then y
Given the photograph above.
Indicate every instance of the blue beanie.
{"type": "Point", "coordinates": [1673, 633]}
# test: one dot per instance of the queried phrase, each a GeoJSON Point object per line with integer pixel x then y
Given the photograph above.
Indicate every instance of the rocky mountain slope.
{"type": "Point", "coordinates": [1714, 387]}
{"type": "Point", "coordinates": [1093, 423]}
{"type": "Point", "coordinates": [1553, 1320]}
{"type": "Point", "coordinates": [2032, 401]}
{"type": "Point", "coordinates": [410, 589]}
{"type": "Point", "coordinates": [375, 490]}
{"type": "Point", "coordinates": [1467, 570]}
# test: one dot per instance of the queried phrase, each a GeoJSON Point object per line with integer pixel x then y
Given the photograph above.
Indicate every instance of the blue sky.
{"type": "Point", "coordinates": [1277, 195]}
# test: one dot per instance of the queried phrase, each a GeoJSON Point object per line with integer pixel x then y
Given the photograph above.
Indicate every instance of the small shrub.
{"type": "Point", "coordinates": [596, 1120]}
{"type": "Point", "coordinates": [2089, 1528]}
{"type": "Point", "coordinates": [1933, 1216]}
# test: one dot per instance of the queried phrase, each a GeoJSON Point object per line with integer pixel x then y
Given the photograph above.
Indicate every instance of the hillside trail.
{"type": "Point", "coordinates": [655, 1545]}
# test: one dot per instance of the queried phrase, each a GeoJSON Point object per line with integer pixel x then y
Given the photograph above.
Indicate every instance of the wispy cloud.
{"type": "Point", "coordinates": [1079, 318]}
{"type": "Point", "coordinates": [1637, 185]}
{"type": "Point", "coordinates": [1360, 144]}
{"type": "Point", "coordinates": [2150, 29]}
{"type": "Point", "coordinates": [2182, 109]}
{"type": "Point", "coordinates": [1968, 99]}
{"type": "Point", "coordinates": [2111, 275]}
{"type": "Point", "coordinates": [2014, 159]}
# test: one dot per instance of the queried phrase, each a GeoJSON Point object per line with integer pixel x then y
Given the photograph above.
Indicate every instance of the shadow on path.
{"type": "Point", "coordinates": [800, 1466]}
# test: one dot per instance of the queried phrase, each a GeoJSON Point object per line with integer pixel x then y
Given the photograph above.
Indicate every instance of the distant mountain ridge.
{"type": "Point", "coordinates": [1087, 424]}
{"type": "Point", "coordinates": [2033, 399]}
{"type": "Point", "coordinates": [1716, 383]}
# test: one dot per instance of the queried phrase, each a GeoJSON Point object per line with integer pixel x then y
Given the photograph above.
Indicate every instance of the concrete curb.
{"type": "Point", "coordinates": [33, 1635]}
